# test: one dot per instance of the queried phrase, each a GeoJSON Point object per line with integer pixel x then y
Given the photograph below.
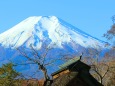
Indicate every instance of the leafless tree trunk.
{"type": "Point", "coordinates": [39, 60]}
{"type": "Point", "coordinates": [100, 69]}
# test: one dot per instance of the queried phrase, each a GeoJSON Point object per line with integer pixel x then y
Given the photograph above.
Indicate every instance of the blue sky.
{"type": "Point", "coordinates": [91, 16]}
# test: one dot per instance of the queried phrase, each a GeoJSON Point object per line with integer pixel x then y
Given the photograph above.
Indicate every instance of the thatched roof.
{"type": "Point", "coordinates": [71, 64]}
{"type": "Point", "coordinates": [66, 65]}
{"type": "Point", "coordinates": [69, 79]}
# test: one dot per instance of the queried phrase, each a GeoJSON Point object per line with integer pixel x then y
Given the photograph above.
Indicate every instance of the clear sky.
{"type": "Point", "coordinates": [91, 16]}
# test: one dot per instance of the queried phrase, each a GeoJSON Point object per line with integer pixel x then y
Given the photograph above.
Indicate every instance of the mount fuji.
{"type": "Point", "coordinates": [34, 30]}
{"type": "Point", "coordinates": [38, 31]}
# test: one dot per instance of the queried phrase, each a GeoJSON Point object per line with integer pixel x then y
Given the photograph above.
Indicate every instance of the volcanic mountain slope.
{"type": "Point", "coordinates": [35, 30]}
{"type": "Point", "coordinates": [38, 31]}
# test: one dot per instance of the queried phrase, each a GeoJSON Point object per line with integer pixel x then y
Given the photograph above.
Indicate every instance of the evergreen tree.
{"type": "Point", "coordinates": [8, 75]}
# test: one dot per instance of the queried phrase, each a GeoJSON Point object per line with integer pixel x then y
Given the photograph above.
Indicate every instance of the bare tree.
{"type": "Point", "coordinates": [100, 68]}
{"type": "Point", "coordinates": [39, 60]}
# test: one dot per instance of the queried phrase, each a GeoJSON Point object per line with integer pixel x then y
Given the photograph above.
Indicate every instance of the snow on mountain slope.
{"type": "Point", "coordinates": [34, 30]}
{"type": "Point", "coordinates": [37, 30]}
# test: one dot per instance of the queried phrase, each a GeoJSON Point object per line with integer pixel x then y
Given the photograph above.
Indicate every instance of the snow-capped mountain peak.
{"type": "Point", "coordinates": [38, 29]}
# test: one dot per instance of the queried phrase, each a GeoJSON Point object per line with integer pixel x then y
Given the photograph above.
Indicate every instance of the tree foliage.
{"type": "Point", "coordinates": [8, 75]}
{"type": "Point", "coordinates": [110, 33]}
